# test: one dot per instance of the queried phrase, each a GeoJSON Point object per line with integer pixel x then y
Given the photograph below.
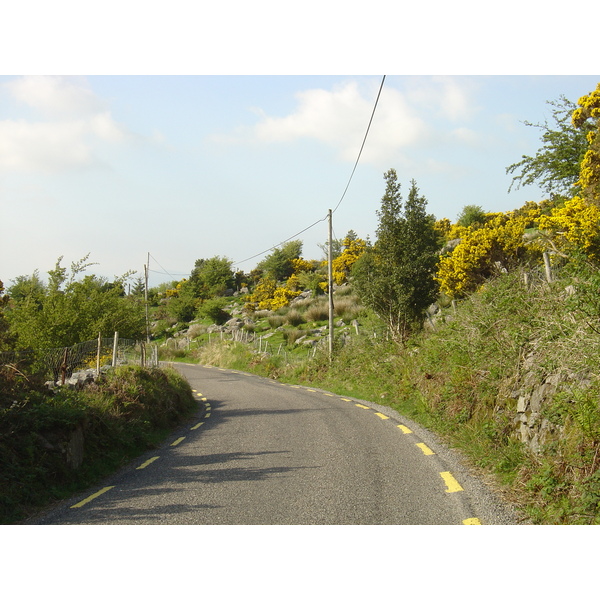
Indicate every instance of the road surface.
{"type": "Point", "coordinates": [262, 452]}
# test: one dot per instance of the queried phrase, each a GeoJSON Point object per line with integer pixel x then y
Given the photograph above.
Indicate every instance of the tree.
{"type": "Point", "coordinates": [211, 277]}
{"type": "Point", "coordinates": [6, 338]}
{"type": "Point", "coordinates": [471, 215]}
{"type": "Point", "coordinates": [395, 276]}
{"type": "Point", "coordinates": [279, 264]}
{"type": "Point", "coordinates": [555, 167]}
{"type": "Point", "coordinates": [68, 310]}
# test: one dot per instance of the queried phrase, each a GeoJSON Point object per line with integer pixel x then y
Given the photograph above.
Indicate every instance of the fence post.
{"type": "Point", "coordinates": [63, 367]}
{"type": "Point", "coordinates": [115, 348]}
{"type": "Point", "coordinates": [98, 354]}
{"type": "Point", "coordinates": [547, 267]}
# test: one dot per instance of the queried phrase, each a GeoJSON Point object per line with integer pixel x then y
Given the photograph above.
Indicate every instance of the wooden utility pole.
{"type": "Point", "coordinates": [330, 285]}
{"type": "Point", "coordinates": [146, 269]}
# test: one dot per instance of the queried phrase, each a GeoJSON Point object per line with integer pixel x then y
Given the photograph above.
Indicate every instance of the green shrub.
{"type": "Point", "coordinates": [213, 309]}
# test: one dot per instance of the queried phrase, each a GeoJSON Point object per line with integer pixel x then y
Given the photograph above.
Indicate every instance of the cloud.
{"type": "Point", "coordinates": [73, 121]}
{"type": "Point", "coordinates": [423, 113]}
{"type": "Point", "coordinates": [58, 96]}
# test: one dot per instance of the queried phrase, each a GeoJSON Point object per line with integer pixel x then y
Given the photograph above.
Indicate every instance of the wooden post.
{"type": "Point", "coordinates": [98, 354]}
{"type": "Point", "coordinates": [547, 267]}
{"type": "Point", "coordinates": [63, 367]}
{"type": "Point", "coordinates": [115, 348]}
{"type": "Point", "coordinates": [330, 284]}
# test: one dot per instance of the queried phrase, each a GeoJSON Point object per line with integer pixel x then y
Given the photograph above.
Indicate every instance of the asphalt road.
{"type": "Point", "coordinates": [261, 452]}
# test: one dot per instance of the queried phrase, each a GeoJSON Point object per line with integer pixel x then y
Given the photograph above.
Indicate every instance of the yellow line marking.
{"type": "Point", "coordinates": [178, 441]}
{"type": "Point", "coordinates": [382, 416]}
{"type": "Point", "coordinates": [193, 390]}
{"type": "Point", "coordinates": [472, 522]}
{"type": "Point", "coordinates": [197, 425]}
{"type": "Point", "coordinates": [330, 395]}
{"type": "Point", "coordinates": [427, 451]}
{"type": "Point", "coordinates": [315, 391]}
{"type": "Point", "coordinates": [346, 400]}
{"type": "Point", "coordinates": [149, 461]}
{"type": "Point", "coordinates": [362, 406]}
{"type": "Point", "coordinates": [92, 497]}
{"type": "Point", "coordinates": [451, 483]}
{"type": "Point", "coordinates": [404, 429]}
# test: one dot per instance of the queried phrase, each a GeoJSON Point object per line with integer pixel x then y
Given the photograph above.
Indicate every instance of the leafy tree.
{"type": "Point", "coordinates": [6, 338]}
{"type": "Point", "coordinates": [279, 264]}
{"type": "Point", "coordinates": [471, 215]}
{"type": "Point", "coordinates": [395, 276]}
{"type": "Point", "coordinates": [555, 167]}
{"type": "Point", "coordinates": [68, 310]}
{"type": "Point", "coordinates": [211, 277]}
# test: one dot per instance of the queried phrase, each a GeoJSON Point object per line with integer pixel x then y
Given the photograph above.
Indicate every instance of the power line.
{"type": "Point", "coordinates": [284, 241]}
{"type": "Point", "coordinates": [362, 146]}
{"type": "Point", "coordinates": [163, 269]}
{"type": "Point", "coordinates": [340, 201]}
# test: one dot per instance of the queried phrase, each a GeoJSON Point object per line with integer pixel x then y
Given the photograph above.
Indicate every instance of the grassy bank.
{"type": "Point", "coordinates": [467, 380]}
{"type": "Point", "coordinates": [53, 445]}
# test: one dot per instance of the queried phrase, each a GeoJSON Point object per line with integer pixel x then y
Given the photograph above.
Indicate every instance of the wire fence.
{"type": "Point", "coordinates": [59, 364]}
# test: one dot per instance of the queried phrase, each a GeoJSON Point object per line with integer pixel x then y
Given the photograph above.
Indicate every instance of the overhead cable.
{"type": "Point", "coordinates": [340, 201]}
{"type": "Point", "coordinates": [362, 146]}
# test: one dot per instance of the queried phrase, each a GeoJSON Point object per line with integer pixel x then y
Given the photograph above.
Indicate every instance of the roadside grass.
{"type": "Point", "coordinates": [129, 411]}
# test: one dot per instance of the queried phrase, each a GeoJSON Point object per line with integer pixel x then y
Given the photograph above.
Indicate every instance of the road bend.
{"type": "Point", "coordinates": [262, 452]}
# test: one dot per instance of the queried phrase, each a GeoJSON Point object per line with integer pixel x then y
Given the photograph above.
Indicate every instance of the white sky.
{"type": "Point", "coordinates": [219, 159]}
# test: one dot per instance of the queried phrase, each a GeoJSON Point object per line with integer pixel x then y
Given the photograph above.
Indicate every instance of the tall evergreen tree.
{"type": "Point", "coordinates": [395, 276]}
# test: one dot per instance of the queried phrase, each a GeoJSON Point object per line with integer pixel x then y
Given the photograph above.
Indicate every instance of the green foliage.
{"type": "Point", "coordinates": [555, 167]}
{"type": "Point", "coordinates": [211, 277]}
{"type": "Point", "coordinates": [69, 310]}
{"type": "Point", "coordinates": [395, 276]}
{"type": "Point", "coordinates": [214, 309]}
{"type": "Point", "coordinates": [471, 215]}
{"type": "Point", "coordinates": [120, 417]}
{"type": "Point", "coordinates": [6, 339]}
{"type": "Point", "coordinates": [279, 264]}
